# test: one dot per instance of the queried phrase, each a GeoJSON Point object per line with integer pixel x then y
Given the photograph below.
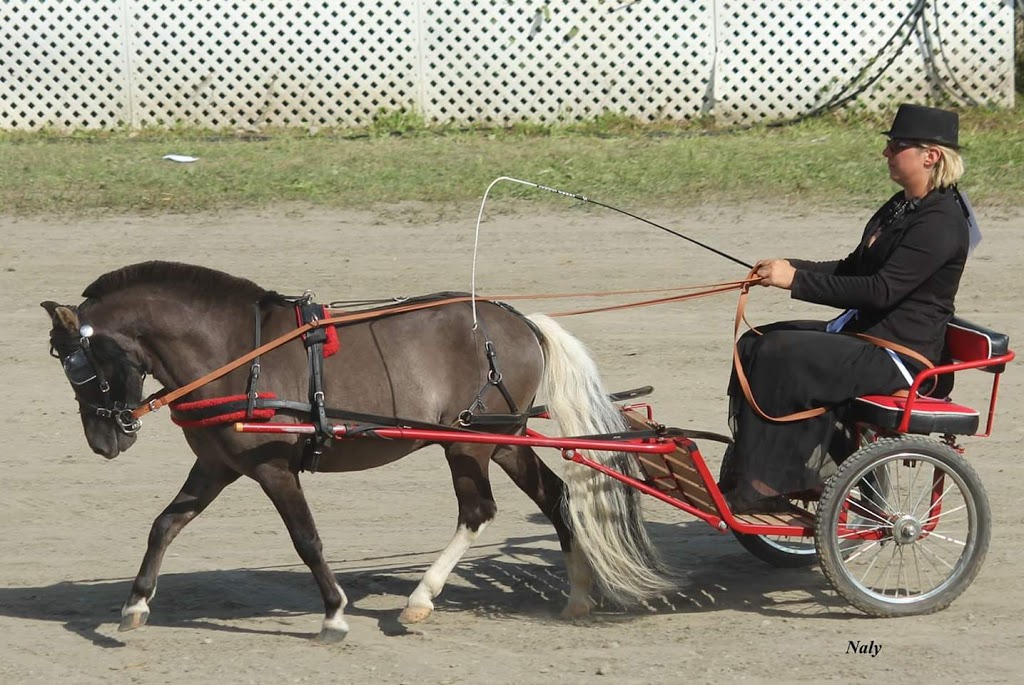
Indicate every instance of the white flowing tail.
{"type": "Point", "coordinates": [605, 513]}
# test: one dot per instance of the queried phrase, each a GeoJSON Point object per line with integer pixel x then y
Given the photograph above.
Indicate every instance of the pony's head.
{"type": "Point", "coordinates": [106, 379]}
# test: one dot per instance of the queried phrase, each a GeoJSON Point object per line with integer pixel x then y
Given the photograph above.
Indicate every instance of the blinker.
{"type": "Point", "coordinates": [78, 368]}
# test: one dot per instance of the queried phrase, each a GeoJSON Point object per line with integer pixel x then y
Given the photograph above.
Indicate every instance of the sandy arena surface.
{"type": "Point", "coordinates": [235, 604]}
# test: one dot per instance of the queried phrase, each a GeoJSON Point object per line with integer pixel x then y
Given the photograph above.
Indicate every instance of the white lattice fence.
{"type": "Point", "coordinates": [507, 61]}
{"type": "Point", "coordinates": [782, 58]}
{"type": "Point", "coordinates": [111, 63]}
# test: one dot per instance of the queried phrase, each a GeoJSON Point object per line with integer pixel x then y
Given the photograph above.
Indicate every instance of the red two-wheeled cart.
{"type": "Point", "coordinates": [901, 528]}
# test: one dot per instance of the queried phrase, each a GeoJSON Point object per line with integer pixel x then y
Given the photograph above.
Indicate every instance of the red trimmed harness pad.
{"type": "Point", "coordinates": [258, 414]}
{"type": "Point", "coordinates": [332, 344]}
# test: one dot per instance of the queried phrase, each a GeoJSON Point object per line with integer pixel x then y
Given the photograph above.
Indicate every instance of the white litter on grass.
{"type": "Point", "coordinates": [181, 158]}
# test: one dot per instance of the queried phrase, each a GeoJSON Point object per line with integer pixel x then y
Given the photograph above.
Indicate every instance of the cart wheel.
{"type": "Point", "coordinates": [903, 527]}
{"type": "Point", "coordinates": [778, 550]}
{"type": "Point", "coordinates": [782, 551]}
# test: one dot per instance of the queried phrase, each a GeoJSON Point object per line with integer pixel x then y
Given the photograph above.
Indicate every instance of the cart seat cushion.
{"type": "Point", "coordinates": [966, 341]}
{"type": "Point", "coordinates": [928, 416]}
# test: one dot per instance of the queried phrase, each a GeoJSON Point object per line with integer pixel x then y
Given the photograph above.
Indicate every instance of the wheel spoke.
{"type": "Point", "coordinates": [927, 550]}
{"type": "Point", "coordinates": [938, 502]}
{"type": "Point", "coordinates": [931, 557]}
{"type": "Point", "coordinates": [913, 482]}
{"type": "Point", "coordinates": [896, 467]}
{"type": "Point", "coordinates": [920, 567]}
{"type": "Point", "coordinates": [883, 503]}
{"type": "Point", "coordinates": [903, 572]}
{"type": "Point", "coordinates": [888, 572]}
{"type": "Point", "coordinates": [864, 510]}
{"type": "Point", "coordinates": [945, 515]}
{"type": "Point", "coordinates": [874, 558]}
{"type": "Point", "coordinates": [925, 492]}
{"type": "Point", "coordinates": [946, 538]}
{"type": "Point", "coordinates": [862, 550]}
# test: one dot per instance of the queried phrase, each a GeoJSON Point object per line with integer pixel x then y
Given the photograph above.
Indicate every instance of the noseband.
{"type": "Point", "coordinates": [82, 371]}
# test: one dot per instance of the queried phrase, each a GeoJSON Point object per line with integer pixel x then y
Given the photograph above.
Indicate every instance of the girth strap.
{"type": "Point", "coordinates": [254, 369]}
{"type": "Point", "coordinates": [309, 312]}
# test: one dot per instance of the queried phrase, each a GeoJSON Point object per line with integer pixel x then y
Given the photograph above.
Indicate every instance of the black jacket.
{"type": "Point", "coordinates": [904, 284]}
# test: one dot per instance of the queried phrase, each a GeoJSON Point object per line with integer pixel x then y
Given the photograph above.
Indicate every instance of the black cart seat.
{"type": "Point", "coordinates": [927, 416]}
{"type": "Point", "coordinates": [969, 346]}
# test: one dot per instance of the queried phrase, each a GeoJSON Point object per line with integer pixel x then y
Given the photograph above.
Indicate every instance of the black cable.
{"type": "Point", "coordinates": [844, 96]}
{"type": "Point", "coordinates": [840, 99]}
{"type": "Point", "coordinates": [963, 94]}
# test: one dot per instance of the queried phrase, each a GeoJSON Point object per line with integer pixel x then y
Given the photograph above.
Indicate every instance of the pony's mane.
{"type": "Point", "coordinates": [197, 278]}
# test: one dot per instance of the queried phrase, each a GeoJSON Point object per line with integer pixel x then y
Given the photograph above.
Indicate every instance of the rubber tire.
{"type": "Point", "coordinates": [770, 552]}
{"type": "Point", "coordinates": [853, 469]}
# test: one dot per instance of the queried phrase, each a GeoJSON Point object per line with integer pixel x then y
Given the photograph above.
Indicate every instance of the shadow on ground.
{"type": "Point", "coordinates": [519, 578]}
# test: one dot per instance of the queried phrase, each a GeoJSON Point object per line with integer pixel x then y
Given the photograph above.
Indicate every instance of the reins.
{"type": "Point", "coordinates": [162, 398]}
{"type": "Point", "coordinates": [741, 377]}
{"type": "Point", "coordinates": [153, 403]}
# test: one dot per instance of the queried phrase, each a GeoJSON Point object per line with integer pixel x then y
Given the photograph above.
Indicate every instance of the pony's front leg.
{"type": "Point", "coordinates": [283, 488]}
{"type": "Point", "coordinates": [468, 464]}
{"type": "Point", "coordinates": [201, 487]}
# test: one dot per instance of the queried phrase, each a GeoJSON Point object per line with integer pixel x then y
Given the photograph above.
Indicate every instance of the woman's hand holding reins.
{"type": "Point", "coordinates": [776, 272]}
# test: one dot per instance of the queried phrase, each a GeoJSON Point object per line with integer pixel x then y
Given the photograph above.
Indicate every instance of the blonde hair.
{"type": "Point", "coordinates": [950, 167]}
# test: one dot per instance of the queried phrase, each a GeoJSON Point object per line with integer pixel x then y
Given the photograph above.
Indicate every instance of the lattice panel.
{"type": "Point", "coordinates": [63, 65]}
{"type": "Point", "coordinates": [784, 58]}
{"type": "Point", "coordinates": [229, 63]}
{"type": "Point", "coordinates": [504, 61]}
{"type": "Point", "coordinates": [225, 64]}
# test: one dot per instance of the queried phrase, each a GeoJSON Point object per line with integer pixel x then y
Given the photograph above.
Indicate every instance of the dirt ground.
{"type": "Point", "coordinates": [236, 605]}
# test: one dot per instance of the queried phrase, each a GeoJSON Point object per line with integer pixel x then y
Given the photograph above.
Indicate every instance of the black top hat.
{"type": "Point", "coordinates": [927, 124]}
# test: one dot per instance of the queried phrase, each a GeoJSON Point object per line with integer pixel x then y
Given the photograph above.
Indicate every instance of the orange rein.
{"type": "Point", "coordinates": [741, 307]}
{"type": "Point", "coordinates": [165, 399]}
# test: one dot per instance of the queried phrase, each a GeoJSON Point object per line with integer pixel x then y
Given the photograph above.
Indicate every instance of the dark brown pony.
{"type": "Point", "coordinates": [177, 322]}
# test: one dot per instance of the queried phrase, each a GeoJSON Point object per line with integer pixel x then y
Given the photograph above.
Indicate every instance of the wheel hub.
{"type": "Point", "coordinates": [906, 530]}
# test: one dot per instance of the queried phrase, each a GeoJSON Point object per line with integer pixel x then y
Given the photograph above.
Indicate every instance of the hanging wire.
{"type": "Point", "coordinates": [847, 92]}
{"type": "Point", "coordinates": [845, 95]}
{"type": "Point", "coordinates": [960, 92]}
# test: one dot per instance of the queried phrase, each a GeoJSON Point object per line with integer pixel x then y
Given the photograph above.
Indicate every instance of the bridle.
{"type": "Point", "coordinates": [83, 373]}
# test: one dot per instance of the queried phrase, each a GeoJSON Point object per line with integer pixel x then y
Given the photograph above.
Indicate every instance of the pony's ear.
{"type": "Point", "coordinates": [62, 316]}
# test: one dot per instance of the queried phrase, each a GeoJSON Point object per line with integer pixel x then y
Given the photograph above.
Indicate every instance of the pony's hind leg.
{"type": "Point", "coordinates": [282, 487]}
{"type": "Point", "coordinates": [468, 464]}
{"type": "Point", "coordinates": [547, 490]}
{"type": "Point", "coordinates": [201, 487]}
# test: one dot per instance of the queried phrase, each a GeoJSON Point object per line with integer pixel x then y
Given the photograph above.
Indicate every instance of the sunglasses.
{"type": "Point", "coordinates": [898, 145]}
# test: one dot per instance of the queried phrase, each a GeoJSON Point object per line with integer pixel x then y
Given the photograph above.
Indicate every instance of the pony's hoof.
{"type": "Point", "coordinates": [414, 615]}
{"type": "Point", "coordinates": [330, 636]}
{"type": "Point", "coordinates": [133, 620]}
{"type": "Point", "coordinates": [576, 610]}
{"type": "Point", "coordinates": [333, 630]}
